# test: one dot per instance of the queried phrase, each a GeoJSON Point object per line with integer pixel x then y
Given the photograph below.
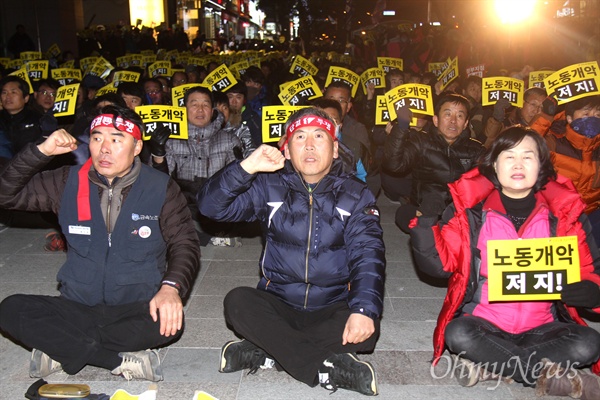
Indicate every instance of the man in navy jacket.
{"type": "Point", "coordinates": [320, 296]}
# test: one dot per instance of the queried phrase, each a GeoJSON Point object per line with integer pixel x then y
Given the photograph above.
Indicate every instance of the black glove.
{"type": "Point", "coordinates": [549, 106]}
{"type": "Point", "coordinates": [405, 214]}
{"type": "Point", "coordinates": [404, 117]}
{"type": "Point", "coordinates": [157, 141]}
{"type": "Point", "coordinates": [500, 109]}
{"type": "Point", "coordinates": [581, 294]}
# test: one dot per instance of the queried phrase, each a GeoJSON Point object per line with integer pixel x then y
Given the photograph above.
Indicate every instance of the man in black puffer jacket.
{"type": "Point", "coordinates": [434, 158]}
{"type": "Point", "coordinates": [320, 296]}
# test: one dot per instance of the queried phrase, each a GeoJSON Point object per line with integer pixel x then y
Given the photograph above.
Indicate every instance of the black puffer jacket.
{"type": "Point", "coordinates": [433, 163]}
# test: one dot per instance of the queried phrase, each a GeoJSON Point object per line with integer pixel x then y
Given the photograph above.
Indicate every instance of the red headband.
{"type": "Point", "coordinates": [121, 124]}
{"type": "Point", "coordinates": [311, 120]}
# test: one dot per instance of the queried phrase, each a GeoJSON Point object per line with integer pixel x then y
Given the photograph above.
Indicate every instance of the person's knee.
{"type": "Point", "coordinates": [459, 336]}
{"type": "Point", "coordinates": [586, 350]}
{"type": "Point", "coordinates": [9, 313]}
{"type": "Point", "coordinates": [237, 301]}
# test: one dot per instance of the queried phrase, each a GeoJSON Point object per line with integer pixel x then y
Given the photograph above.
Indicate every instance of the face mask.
{"type": "Point", "coordinates": [588, 126]}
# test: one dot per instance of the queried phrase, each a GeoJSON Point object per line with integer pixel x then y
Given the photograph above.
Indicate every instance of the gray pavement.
{"type": "Point", "coordinates": [401, 358]}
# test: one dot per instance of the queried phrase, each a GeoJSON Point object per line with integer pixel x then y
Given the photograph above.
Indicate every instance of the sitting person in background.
{"type": "Point", "coordinates": [241, 130]}
{"type": "Point", "coordinates": [573, 138]}
{"type": "Point", "coordinates": [435, 158]}
{"type": "Point", "coordinates": [514, 194]}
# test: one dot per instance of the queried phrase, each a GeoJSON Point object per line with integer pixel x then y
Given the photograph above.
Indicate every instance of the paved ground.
{"type": "Point", "coordinates": [401, 358]}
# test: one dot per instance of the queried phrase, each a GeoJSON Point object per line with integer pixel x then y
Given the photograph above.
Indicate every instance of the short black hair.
{"type": "Point", "coordinates": [254, 74]}
{"type": "Point", "coordinates": [324, 103]}
{"type": "Point", "coordinates": [588, 101]}
{"type": "Point", "coordinates": [508, 139]}
{"type": "Point", "coordinates": [220, 98]}
{"type": "Point", "coordinates": [340, 85]}
{"type": "Point", "coordinates": [23, 86]}
{"type": "Point", "coordinates": [239, 88]}
{"type": "Point", "coordinates": [51, 83]}
{"type": "Point", "coordinates": [199, 89]}
{"type": "Point", "coordinates": [132, 89]}
{"type": "Point", "coordinates": [451, 97]}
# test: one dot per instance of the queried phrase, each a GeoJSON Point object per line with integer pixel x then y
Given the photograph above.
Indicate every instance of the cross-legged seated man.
{"type": "Point", "coordinates": [132, 254]}
{"type": "Point", "coordinates": [320, 297]}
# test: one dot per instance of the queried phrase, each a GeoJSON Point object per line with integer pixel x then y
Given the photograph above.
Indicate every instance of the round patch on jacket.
{"type": "Point", "coordinates": [145, 232]}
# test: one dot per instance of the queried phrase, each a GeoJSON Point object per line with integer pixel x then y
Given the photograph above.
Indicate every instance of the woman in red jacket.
{"type": "Point", "coordinates": [514, 194]}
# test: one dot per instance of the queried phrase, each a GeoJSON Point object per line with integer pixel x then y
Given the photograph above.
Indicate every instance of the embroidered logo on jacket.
{"type": "Point", "coordinates": [343, 213]}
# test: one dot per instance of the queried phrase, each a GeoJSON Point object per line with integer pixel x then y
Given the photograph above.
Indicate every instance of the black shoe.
{"type": "Point", "coordinates": [242, 354]}
{"type": "Point", "coordinates": [346, 371]}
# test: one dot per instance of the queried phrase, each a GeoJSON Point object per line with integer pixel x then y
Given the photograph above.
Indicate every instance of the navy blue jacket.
{"type": "Point", "coordinates": [316, 253]}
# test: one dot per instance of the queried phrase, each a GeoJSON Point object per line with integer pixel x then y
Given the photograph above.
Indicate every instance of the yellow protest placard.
{"type": "Point", "coordinates": [101, 68]}
{"type": "Point", "coordinates": [501, 87]}
{"type": "Point", "coordinates": [382, 113]}
{"type": "Point", "coordinates": [239, 68]}
{"type": "Point", "coordinates": [345, 75]}
{"type": "Point", "coordinates": [178, 93]}
{"type": "Point", "coordinates": [531, 269]}
{"type": "Point", "coordinates": [53, 51]}
{"type": "Point", "coordinates": [65, 102]}
{"type": "Point", "coordinates": [437, 68]}
{"type": "Point", "coordinates": [220, 79]}
{"type": "Point", "coordinates": [273, 121]}
{"type": "Point", "coordinates": [66, 75]}
{"type": "Point", "coordinates": [87, 63]}
{"type": "Point", "coordinates": [136, 60]}
{"type": "Point", "coordinates": [123, 61]}
{"type": "Point", "coordinates": [417, 97]}
{"type": "Point", "coordinates": [31, 55]}
{"type": "Point", "coordinates": [22, 73]}
{"type": "Point", "coordinates": [160, 68]}
{"type": "Point", "coordinates": [174, 118]}
{"type": "Point", "coordinates": [376, 76]}
{"type": "Point", "coordinates": [182, 58]}
{"type": "Point", "coordinates": [573, 82]}
{"type": "Point", "coordinates": [4, 61]}
{"type": "Point", "coordinates": [387, 63]}
{"type": "Point", "coordinates": [17, 63]}
{"type": "Point", "coordinates": [147, 53]}
{"type": "Point", "coordinates": [125, 76]}
{"type": "Point", "coordinates": [110, 88]}
{"type": "Point", "coordinates": [449, 74]}
{"type": "Point", "coordinates": [299, 91]}
{"type": "Point", "coordinates": [303, 67]}
{"type": "Point", "coordinates": [68, 64]}
{"type": "Point", "coordinates": [148, 60]}
{"type": "Point", "coordinates": [536, 78]}
{"type": "Point", "coordinates": [37, 69]}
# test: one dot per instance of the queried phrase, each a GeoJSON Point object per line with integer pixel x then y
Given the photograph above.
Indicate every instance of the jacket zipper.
{"type": "Point", "coordinates": [108, 227]}
{"type": "Point", "coordinates": [310, 217]}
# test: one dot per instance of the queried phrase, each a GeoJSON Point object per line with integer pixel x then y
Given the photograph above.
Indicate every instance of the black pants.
{"type": "Point", "coordinates": [298, 340]}
{"type": "Point", "coordinates": [516, 355]}
{"type": "Point", "coordinates": [77, 335]}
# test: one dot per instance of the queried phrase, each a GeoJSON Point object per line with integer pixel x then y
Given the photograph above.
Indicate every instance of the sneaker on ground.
{"type": "Point", "coordinates": [226, 241]}
{"type": "Point", "coordinates": [346, 371]}
{"type": "Point", "coordinates": [468, 374]}
{"type": "Point", "coordinates": [55, 242]}
{"type": "Point", "coordinates": [237, 355]}
{"type": "Point", "coordinates": [143, 364]}
{"type": "Point", "coordinates": [41, 365]}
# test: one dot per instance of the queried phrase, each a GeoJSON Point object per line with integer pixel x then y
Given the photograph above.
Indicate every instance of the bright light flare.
{"type": "Point", "coordinates": [514, 11]}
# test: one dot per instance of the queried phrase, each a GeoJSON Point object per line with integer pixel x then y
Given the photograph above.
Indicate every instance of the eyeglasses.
{"type": "Point", "coordinates": [536, 106]}
{"type": "Point", "coordinates": [341, 101]}
{"type": "Point", "coordinates": [47, 93]}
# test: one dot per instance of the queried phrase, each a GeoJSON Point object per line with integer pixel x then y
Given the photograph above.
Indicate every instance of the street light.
{"type": "Point", "coordinates": [514, 11]}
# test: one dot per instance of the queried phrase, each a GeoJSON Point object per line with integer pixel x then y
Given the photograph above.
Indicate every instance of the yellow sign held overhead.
{"type": "Point", "coordinates": [303, 67]}
{"type": "Point", "coordinates": [22, 73]}
{"type": "Point", "coordinates": [160, 68]}
{"type": "Point", "coordinates": [66, 100]}
{"type": "Point", "coordinates": [220, 79]}
{"type": "Point", "coordinates": [110, 88]}
{"type": "Point", "coordinates": [449, 74]}
{"type": "Point", "coordinates": [37, 69]}
{"type": "Point", "coordinates": [417, 97]}
{"type": "Point", "coordinates": [298, 92]}
{"type": "Point", "coordinates": [531, 269]}
{"type": "Point", "coordinates": [382, 113]}
{"type": "Point", "coordinates": [376, 76]}
{"type": "Point", "coordinates": [344, 75]}
{"type": "Point", "coordinates": [174, 118]}
{"type": "Point", "coordinates": [387, 63]}
{"type": "Point", "coordinates": [501, 87]}
{"type": "Point", "coordinates": [66, 75]}
{"type": "Point", "coordinates": [536, 78]}
{"type": "Point", "coordinates": [273, 121]}
{"type": "Point", "coordinates": [31, 55]}
{"type": "Point", "coordinates": [573, 82]}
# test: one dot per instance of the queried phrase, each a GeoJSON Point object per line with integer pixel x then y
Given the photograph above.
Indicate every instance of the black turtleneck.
{"type": "Point", "coordinates": [518, 210]}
